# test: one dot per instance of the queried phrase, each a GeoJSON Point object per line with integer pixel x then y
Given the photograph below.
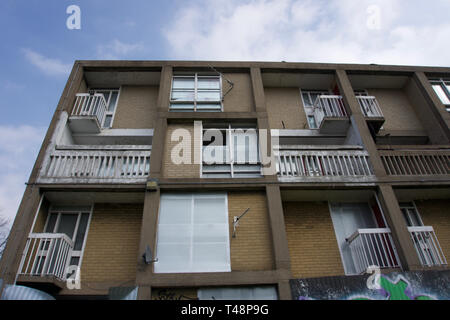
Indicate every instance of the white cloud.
{"type": "Point", "coordinates": [52, 67]}
{"type": "Point", "coordinates": [117, 50]}
{"type": "Point", "coordinates": [409, 31]}
{"type": "Point", "coordinates": [19, 146]}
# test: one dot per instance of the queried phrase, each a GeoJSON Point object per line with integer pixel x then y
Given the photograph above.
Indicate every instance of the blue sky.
{"type": "Point", "coordinates": [37, 50]}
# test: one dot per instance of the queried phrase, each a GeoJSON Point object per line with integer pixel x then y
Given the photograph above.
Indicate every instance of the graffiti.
{"type": "Point", "coordinates": [396, 291]}
{"type": "Point", "coordinates": [418, 285]}
{"type": "Point", "coordinates": [165, 294]}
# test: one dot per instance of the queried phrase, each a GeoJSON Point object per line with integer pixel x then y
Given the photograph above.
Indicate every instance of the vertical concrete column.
{"type": "Point", "coordinates": [358, 121]}
{"type": "Point", "coordinates": [402, 238]}
{"type": "Point", "coordinates": [279, 238]}
{"type": "Point", "coordinates": [152, 193]}
{"type": "Point", "coordinates": [30, 202]}
{"type": "Point", "coordinates": [433, 114]}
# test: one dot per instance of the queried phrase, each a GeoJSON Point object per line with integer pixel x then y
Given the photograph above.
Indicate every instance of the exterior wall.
{"type": "Point", "coordinates": [397, 110]}
{"type": "Point", "coordinates": [311, 240]}
{"type": "Point", "coordinates": [172, 170]}
{"type": "Point", "coordinates": [240, 98]}
{"type": "Point", "coordinates": [251, 249]}
{"type": "Point", "coordinates": [285, 104]}
{"type": "Point", "coordinates": [136, 108]}
{"type": "Point", "coordinates": [112, 243]}
{"type": "Point", "coordinates": [435, 213]}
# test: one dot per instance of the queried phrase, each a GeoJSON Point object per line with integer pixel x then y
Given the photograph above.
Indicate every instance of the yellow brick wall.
{"type": "Point", "coordinates": [173, 170]}
{"type": "Point", "coordinates": [311, 239]}
{"type": "Point", "coordinates": [397, 110]}
{"type": "Point", "coordinates": [136, 108]}
{"type": "Point", "coordinates": [284, 104]}
{"type": "Point", "coordinates": [240, 98]}
{"type": "Point", "coordinates": [436, 213]}
{"type": "Point", "coordinates": [112, 243]}
{"type": "Point", "coordinates": [251, 249]}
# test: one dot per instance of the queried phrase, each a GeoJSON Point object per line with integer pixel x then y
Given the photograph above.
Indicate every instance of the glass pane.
{"type": "Point", "coordinates": [306, 100]}
{"type": "Point", "coordinates": [182, 106]}
{"type": "Point", "coordinates": [209, 211]}
{"type": "Point", "coordinates": [105, 94]}
{"type": "Point", "coordinates": [441, 94]}
{"type": "Point", "coordinates": [209, 106]}
{"type": "Point", "coordinates": [108, 120]}
{"type": "Point", "coordinates": [207, 233]}
{"type": "Point", "coordinates": [312, 122]}
{"type": "Point", "coordinates": [183, 83]}
{"type": "Point", "coordinates": [113, 101]}
{"type": "Point", "coordinates": [51, 223]}
{"type": "Point", "coordinates": [67, 224]}
{"type": "Point", "coordinates": [173, 258]}
{"type": "Point", "coordinates": [210, 257]}
{"type": "Point", "coordinates": [182, 95]}
{"type": "Point", "coordinates": [172, 233]}
{"type": "Point", "coordinates": [175, 211]}
{"type": "Point", "coordinates": [82, 227]}
{"type": "Point", "coordinates": [208, 83]}
{"type": "Point", "coordinates": [208, 95]}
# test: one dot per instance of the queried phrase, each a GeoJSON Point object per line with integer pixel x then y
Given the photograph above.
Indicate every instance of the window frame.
{"type": "Point", "coordinates": [411, 205]}
{"type": "Point", "coordinates": [193, 196]}
{"type": "Point", "coordinates": [231, 173]}
{"type": "Point", "coordinates": [195, 102]}
{"type": "Point", "coordinates": [72, 210]}
{"type": "Point", "coordinates": [444, 84]}
{"type": "Point", "coordinates": [107, 112]}
{"type": "Point", "coordinates": [309, 111]}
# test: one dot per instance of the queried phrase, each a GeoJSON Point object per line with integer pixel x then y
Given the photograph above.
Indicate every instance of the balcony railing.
{"type": "Point", "coordinates": [46, 254]}
{"type": "Point", "coordinates": [373, 247]}
{"type": "Point", "coordinates": [329, 106]}
{"type": "Point", "coordinates": [90, 105]}
{"type": "Point", "coordinates": [369, 106]}
{"type": "Point", "coordinates": [323, 163]}
{"type": "Point", "coordinates": [427, 246]}
{"type": "Point", "coordinates": [416, 162]}
{"type": "Point", "coordinates": [96, 166]}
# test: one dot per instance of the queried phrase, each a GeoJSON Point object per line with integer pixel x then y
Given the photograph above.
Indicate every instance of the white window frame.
{"type": "Point", "coordinates": [107, 112]}
{"type": "Point", "coordinates": [232, 162]}
{"type": "Point", "coordinates": [309, 111]}
{"type": "Point", "coordinates": [72, 210]}
{"type": "Point", "coordinates": [195, 101]}
{"type": "Point", "coordinates": [192, 197]}
{"type": "Point", "coordinates": [444, 84]}
{"type": "Point", "coordinates": [408, 206]}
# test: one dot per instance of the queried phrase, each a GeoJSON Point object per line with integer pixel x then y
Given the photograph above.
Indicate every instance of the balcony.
{"type": "Point", "coordinates": [88, 113]}
{"type": "Point", "coordinates": [303, 164]}
{"type": "Point", "coordinates": [330, 114]}
{"type": "Point", "coordinates": [373, 247]}
{"type": "Point", "coordinates": [416, 162]}
{"type": "Point", "coordinates": [97, 164]}
{"type": "Point", "coordinates": [46, 257]}
{"type": "Point", "coordinates": [371, 111]}
{"type": "Point", "coordinates": [427, 246]}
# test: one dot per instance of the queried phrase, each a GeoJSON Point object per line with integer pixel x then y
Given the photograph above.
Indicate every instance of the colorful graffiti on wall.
{"type": "Point", "coordinates": [428, 285]}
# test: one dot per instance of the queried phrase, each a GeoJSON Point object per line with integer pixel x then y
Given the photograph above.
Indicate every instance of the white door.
{"type": "Point", "coordinates": [347, 218]}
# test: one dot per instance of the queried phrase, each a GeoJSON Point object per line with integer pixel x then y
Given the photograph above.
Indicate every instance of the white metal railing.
{"type": "Point", "coordinates": [93, 165]}
{"type": "Point", "coordinates": [329, 106]}
{"type": "Point", "coordinates": [417, 162]}
{"type": "Point", "coordinates": [46, 254]}
{"type": "Point", "coordinates": [369, 106]}
{"type": "Point", "coordinates": [90, 105]}
{"type": "Point", "coordinates": [427, 246]}
{"type": "Point", "coordinates": [373, 247]}
{"type": "Point", "coordinates": [316, 163]}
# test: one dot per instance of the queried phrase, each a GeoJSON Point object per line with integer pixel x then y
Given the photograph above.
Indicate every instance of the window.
{"type": "Point", "coordinates": [111, 98]}
{"type": "Point", "coordinates": [230, 151]}
{"type": "Point", "coordinates": [442, 89]}
{"type": "Point", "coordinates": [239, 293]}
{"type": "Point", "coordinates": [196, 93]}
{"type": "Point", "coordinates": [309, 98]}
{"type": "Point", "coordinates": [193, 233]}
{"type": "Point", "coordinates": [411, 214]}
{"type": "Point", "coordinates": [72, 221]}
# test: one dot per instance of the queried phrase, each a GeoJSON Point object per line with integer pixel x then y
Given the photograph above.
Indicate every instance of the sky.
{"type": "Point", "coordinates": [37, 49]}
